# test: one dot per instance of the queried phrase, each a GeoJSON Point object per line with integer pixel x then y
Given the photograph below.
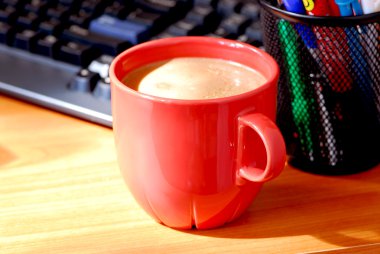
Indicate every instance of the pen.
{"type": "Point", "coordinates": [331, 45]}
{"type": "Point", "coordinates": [300, 105]}
{"type": "Point", "coordinates": [372, 46]}
{"type": "Point", "coordinates": [305, 31]}
{"type": "Point", "coordinates": [370, 6]}
{"type": "Point", "coordinates": [360, 66]}
{"type": "Point", "coordinates": [327, 141]}
{"type": "Point", "coordinates": [321, 8]}
{"type": "Point", "coordinates": [349, 7]}
{"type": "Point", "coordinates": [295, 6]}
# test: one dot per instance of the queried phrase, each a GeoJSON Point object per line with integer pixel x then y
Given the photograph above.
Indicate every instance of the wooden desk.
{"type": "Point", "coordinates": [61, 192]}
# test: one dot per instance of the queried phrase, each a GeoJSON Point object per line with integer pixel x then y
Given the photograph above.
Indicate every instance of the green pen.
{"type": "Point", "coordinates": [301, 106]}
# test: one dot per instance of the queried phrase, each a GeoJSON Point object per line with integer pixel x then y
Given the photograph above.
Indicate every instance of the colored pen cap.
{"type": "Point", "coordinates": [370, 6]}
{"type": "Point", "coordinates": [295, 6]}
{"type": "Point", "coordinates": [334, 8]}
{"type": "Point", "coordinates": [349, 7]}
{"type": "Point", "coordinates": [357, 8]}
{"type": "Point", "coordinates": [318, 7]}
{"type": "Point", "coordinates": [306, 33]}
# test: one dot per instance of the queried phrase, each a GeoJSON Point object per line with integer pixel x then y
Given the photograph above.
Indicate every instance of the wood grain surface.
{"type": "Point", "coordinates": [61, 192]}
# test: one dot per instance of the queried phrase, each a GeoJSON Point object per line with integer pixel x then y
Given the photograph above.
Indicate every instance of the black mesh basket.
{"type": "Point", "coordinates": [329, 88]}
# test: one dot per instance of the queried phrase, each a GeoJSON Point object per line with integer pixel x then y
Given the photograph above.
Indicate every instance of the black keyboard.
{"type": "Point", "coordinates": [56, 53]}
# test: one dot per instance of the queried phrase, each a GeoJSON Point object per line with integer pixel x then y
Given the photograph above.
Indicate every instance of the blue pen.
{"type": "Point", "coordinates": [357, 52]}
{"type": "Point", "coordinates": [295, 6]}
{"type": "Point", "coordinates": [349, 7]}
{"type": "Point", "coordinates": [306, 33]}
{"type": "Point", "coordinates": [373, 52]}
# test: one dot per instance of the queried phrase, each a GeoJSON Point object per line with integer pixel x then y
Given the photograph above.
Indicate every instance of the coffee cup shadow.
{"type": "Point", "coordinates": [290, 206]}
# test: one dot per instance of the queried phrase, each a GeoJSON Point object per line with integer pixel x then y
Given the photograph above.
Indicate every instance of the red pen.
{"type": "Point", "coordinates": [334, 8]}
{"type": "Point", "coordinates": [331, 45]}
{"type": "Point", "coordinates": [315, 7]}
{"type": "Point", "coordinates": [321, 7]}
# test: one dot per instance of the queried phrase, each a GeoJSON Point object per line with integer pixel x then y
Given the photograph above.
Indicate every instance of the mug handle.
{"type": "Point", "coordinates": [264, 157]}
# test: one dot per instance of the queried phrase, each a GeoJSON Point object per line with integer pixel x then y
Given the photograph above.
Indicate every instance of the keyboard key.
{"type": "Point", "coordinates": [254, 32]}
{"type": "Point", "coordinates": [253, 35]}
{"type": "Point", "coordinates": [28, 21]}
{"type": "Point", "coordinates": [60, 12]}
{"type": "Point", "coordinates": [205, 17]}
{"type": "Point", "coordinates": [103, 89]}
{"type": "Point", "coordinates": [183, 28]}
{"type": "Point", "coordinates": [101, 65]}
{"type": "Point", "coordinates": [227, 7]}
{"type": "Point", "coordinates": [51, 26]}
{"type": "Point", "coordinates": [223, 33]}
{"type": "Point", "coordinates": [163, 35]}
{"type": "Point", "coordinates": [246, 39]}
{"type": "Point", "coordinates": [169, 11]}
{"type": "Point", "coordinates": [212, 3]}
{"type": "Point", "coordinates": [8, 15]}
{"type": "Point", "coordinates": [14, 3]}
{"type": "Point", "coordinates": [162, 7]}
{"type": "Point", "coordinates": [251, 10]}
{"type": "Point", "coordinates": [106, 44]}
{"type": "Point", "coordinates": [94, 7]}
{"type": "Point", "coordinates": [25, 39]}
{"type": "Point", "coordinates": [69, 2]}
{"type": "Point", "coordinates": [84, 81]}
{"type": "Point", "coordinates": [153, 21]}
{"type": "Point", "coordinates": [37, 6]}
{"type": "Point", "coordinates": [47, 46]}
{"type": "Point", "coordinates": [77, 53]}
{"type": "Point", "coordinates": [6, 33]}
{"type": "Point", "coordinates": [120, 29]}
{"type": "Point", "coordinates": [202, 15]}
{"type": "Point", "coordinates": [81, 19]}
{"type": "Point", "coordinates": [119, 10]}
{"type": "Point", "coordinates": [235, 24]}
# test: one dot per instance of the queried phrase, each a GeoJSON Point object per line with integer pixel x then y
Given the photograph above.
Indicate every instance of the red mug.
{"type": "Point", "coordinates": [196, 163]}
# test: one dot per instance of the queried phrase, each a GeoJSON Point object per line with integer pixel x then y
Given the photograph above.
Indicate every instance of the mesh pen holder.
{"type": "Point", "coordinates": [329, 88]}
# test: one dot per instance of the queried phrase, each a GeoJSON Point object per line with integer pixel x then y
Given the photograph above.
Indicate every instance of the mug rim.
{"type": "Point", "coordinates": [195, 40]}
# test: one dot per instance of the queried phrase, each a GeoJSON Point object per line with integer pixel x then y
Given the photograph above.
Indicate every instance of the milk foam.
{"type": "Point", "coordinates": [194, 78]}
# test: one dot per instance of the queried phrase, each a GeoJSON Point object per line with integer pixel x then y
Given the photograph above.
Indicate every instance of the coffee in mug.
{"type": "Point", "coordinates": [194, 78]}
